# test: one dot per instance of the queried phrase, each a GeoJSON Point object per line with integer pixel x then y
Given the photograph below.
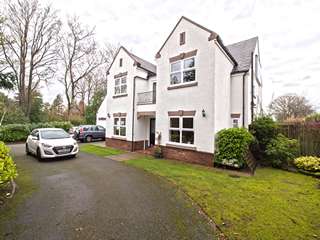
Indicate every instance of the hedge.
{"type": "Point", "coordinates": [20, 132]}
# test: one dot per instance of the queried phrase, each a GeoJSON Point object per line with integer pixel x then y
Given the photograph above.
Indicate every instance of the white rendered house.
{"type": "Point", "coordinates": [198, 87]}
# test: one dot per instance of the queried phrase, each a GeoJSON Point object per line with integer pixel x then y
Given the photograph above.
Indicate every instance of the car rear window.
{"type": "Point", "coordinates": [54, 134]}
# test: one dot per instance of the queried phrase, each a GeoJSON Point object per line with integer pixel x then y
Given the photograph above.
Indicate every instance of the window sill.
{"type": "Point", "coordinates": [119, 138]}
{"type": "Point", "coordinates": [182, 85]}
{"type": "Point", "coordinates": [120, 95]}
{"type": "Point", "coordinates": [181, 146]}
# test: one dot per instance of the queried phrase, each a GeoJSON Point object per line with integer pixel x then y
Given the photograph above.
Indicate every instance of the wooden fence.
{"type": "Point", "coordinates": [307, 133]}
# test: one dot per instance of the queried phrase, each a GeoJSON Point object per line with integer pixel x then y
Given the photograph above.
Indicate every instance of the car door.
{"type": "Point", "coordinates": [102, 132]}
{"type": "Point", "coordinates": [33, 140]}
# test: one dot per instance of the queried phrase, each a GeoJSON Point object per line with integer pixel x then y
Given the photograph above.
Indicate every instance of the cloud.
{"type": "Point", "coordinates": [288, 32]}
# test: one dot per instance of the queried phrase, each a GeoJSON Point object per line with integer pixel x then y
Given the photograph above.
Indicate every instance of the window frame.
{"type": "Point", "coordinates": [119, 126]}
{"type": "Point", "coordinates": [182, 129]}
{"type": "Point", "coordinates": [120, 85]}
{"type": "Point", "coordinates": [182, 38]}
{"type": "Point", "coordinates": [120, 62]}
{"type": "Point", "coordinates": [237, 124]}
{"type": "Point", "coordinates": [182, 70]}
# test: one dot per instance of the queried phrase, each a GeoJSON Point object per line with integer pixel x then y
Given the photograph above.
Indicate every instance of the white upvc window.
{"type": "Point", "coordinates": [183, 71]}
{"type": "Point", "coordinates": [119, 126]}
{"type": "Point", "coordinates": [235, 122]}
{"type": "Point", "coordinates": [120, 86]}
{"type": "Point", "coordinates": [181, 130]}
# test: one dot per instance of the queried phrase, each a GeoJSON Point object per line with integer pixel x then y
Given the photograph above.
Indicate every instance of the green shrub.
{"type": "Point", "coordinates": [20, 132]}
{"type": "Point", "coordinates": [315, 117]}
{"type": "Point", "coordinates": [264, 129]}
{"type": "Point", "coordinates": [64, 125]}
{"type": "Point", "coordinates": [231, 147]}
{"type": "Point", "coordinates": [281, 151]}
{"type": "Point", "coordinates": [14, 132]}
{"type": "Point", "coordinates": [308, 163]}
{"type": "Point", "coordinates": [8, 169]}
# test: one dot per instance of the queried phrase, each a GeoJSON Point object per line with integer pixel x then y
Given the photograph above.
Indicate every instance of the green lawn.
{"type": "Point", "coordinates": [99, 151]}
{"type": "Point", "coordinates": [26, 187]}
{"type": "Point", "coordinates": [273, 204]}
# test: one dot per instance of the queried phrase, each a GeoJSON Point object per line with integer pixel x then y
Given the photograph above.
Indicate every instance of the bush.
{"type": "Point", "coordinates": [20, 132]}
{"type": "Point", "coordinates": [315, 117]}
{"type": "Point", "coordinates": [281, 151]}
{"type": "Point", "coordinates": [232, 145]}
{"type": "Point", "coordinates": [14, 132]}
{"type": "Point", "coordinates": [8, 169]}
{"type": "Point", "coordinates": [264, 129]}
{"type": "Point", "coordinates": [308, 163]}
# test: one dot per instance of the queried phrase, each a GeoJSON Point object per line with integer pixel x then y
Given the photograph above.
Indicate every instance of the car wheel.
{"type": "Point", "coordinates": [39, 157]}
{"type": "Point", "coordinates": [88, 139]}
{"type": "Point", "coordinates": [27, 149]}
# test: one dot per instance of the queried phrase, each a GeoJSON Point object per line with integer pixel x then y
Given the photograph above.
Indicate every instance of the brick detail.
{"type": "Point", "coordinates": [124, 144]}
{"type": "Point", "coordinates": [189, 156]}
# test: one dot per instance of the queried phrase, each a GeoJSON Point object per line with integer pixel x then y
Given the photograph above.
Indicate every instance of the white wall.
{"type": "Point", "coordinates": [125, 104]}
{"type": "Point", "coordinates": [222, 90]}
{"type": "Point", "coordinates": [200, 97]}
{"type": "Point", "coordinates": [102, 113]}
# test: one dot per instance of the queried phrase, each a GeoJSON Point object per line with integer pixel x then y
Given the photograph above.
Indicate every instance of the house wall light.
{"type": "Point", "coordinates": [203, 113]}
{"type": "Point", "coordinates": [108, 115]}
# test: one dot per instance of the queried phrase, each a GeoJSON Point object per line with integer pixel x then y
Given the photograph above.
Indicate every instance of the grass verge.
{"type": "Point", "coordinates": [273, 204]}
{"type": "Point", "coordinates": [25, 188]}
{"type": "Point", "coordinates": [99, 151]}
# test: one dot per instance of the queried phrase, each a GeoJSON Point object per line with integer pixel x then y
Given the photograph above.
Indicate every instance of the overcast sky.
{"type": "Point", "coordinates": [288, 31]}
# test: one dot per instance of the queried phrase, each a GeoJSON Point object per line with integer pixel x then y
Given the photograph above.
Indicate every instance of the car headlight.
{"type": "Point", "coordinates": [46, 145]}
{"type": "Point", "coordinates": [75, 143]}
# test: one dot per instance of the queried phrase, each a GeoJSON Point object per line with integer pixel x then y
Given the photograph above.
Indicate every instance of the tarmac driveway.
{"type": "Point", "coordinates": [96, 198]}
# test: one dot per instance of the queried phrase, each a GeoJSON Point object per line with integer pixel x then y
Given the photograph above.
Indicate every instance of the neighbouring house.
{"type": "Point", "coordinates": [197, 87]}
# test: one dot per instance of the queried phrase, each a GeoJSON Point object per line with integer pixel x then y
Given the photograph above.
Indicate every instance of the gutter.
{"type": "Point", "coordinates": [252, 104]}
{"type": "Point", "coordinates": [243, 97]}
{"type": "Point", "coordinates": [133, 109]}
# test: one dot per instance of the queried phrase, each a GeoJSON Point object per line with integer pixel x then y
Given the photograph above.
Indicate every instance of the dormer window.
{"type": "Point", "coordinates": [120, 62]}
{"type": "Point", "coordinates": [182, 38]}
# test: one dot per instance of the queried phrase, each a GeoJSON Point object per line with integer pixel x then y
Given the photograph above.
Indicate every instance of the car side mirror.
{"type": "Point", "coordinates": [34, 138]}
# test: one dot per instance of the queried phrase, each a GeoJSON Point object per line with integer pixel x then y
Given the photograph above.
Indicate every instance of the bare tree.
{"type": "Point", "coordinates": [97, 80]}
{"type": "Point", "coordinates": [80, 57]}
{"type": "Point", "coordinates": [30, 36]}
{"type": "Point", "coordinates": [290, 106]}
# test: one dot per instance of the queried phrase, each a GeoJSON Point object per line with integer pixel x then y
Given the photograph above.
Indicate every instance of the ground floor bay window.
{"type": "Point", "coordinates": [119, 126]}
{"type": "Point", "coordinates": [181, 130]}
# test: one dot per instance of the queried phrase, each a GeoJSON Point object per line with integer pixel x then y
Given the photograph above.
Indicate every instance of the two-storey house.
{"type": "Point", "coordinates": [198, 87]}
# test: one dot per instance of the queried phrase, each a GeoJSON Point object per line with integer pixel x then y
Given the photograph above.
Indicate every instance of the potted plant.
{"type": "Point", "coordinates": [158, 152]}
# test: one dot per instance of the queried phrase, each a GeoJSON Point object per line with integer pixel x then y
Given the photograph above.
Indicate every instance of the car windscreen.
{"type": "Point", "coordinates": [54, 134]}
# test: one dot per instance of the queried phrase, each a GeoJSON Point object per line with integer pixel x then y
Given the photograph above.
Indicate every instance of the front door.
{"type": "Point", "coordinates": [152, 131]}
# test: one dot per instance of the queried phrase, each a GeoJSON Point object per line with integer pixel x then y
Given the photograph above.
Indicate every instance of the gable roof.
{"type": "Point", "coordinates": [242, 51]}
{"type": "Point", "coordinates": [213, 35]}
{"type": "Point", "coordinates": [144, 64]}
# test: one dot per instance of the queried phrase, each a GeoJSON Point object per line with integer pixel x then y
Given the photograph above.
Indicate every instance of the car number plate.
{"type": "Point", "coordinates": [63, 151]}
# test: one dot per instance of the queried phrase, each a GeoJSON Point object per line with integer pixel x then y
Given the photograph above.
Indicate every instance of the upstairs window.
{"type": "Point", "coordinates": [182, 38]}
{"type": "Point", "coordinates": [120, 86]}
{"type": "Point", "coordinates": [120, 62]}
{"type": "Point", "coordinates": [183, 71]}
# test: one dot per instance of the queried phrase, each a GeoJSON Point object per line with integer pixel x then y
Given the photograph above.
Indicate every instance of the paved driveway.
{"type": "Point", "coordinates": [96, 198]}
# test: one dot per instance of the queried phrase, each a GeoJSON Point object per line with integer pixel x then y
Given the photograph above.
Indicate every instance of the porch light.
{"type": "Point", "coordinates": [108, 114]}
{"type": "Point", "coordinates": [203, 113]}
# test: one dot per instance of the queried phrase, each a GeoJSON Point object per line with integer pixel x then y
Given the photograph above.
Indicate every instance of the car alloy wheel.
{"type": "Point", "coordinates": [88, 139]}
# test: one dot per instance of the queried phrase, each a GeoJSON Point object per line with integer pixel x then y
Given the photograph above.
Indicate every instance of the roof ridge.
{"type": "Point", "coordinates": [256, 37]}
{"type": "Point", "coordinates": [135, 56]}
